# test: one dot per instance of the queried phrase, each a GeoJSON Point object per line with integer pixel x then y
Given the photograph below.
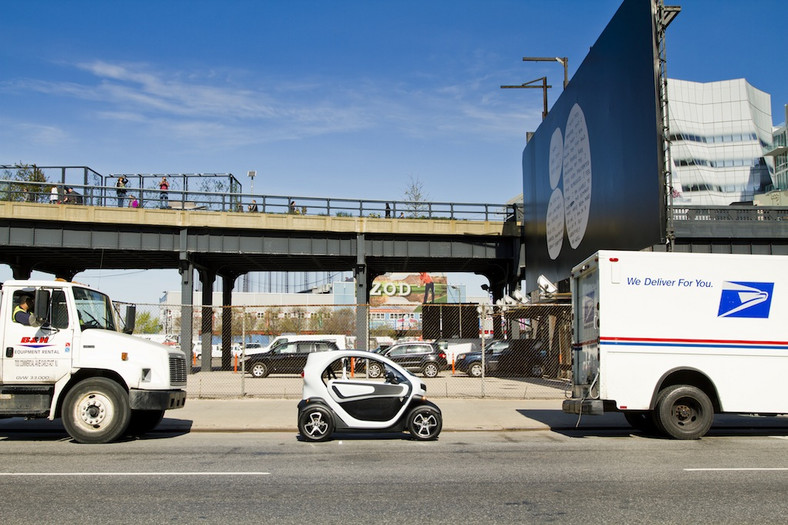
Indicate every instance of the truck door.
{"type": "Point", "coordinates": [585, 345]}
{"type": "Point", "coordinates": [38, 354]}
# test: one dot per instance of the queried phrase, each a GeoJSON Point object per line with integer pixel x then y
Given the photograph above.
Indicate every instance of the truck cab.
{"type": "Point", "coordinates": [67, 356]}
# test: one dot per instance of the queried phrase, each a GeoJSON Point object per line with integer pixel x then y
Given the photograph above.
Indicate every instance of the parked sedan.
{"type": "Point", "coordinates": [426, 358]}
{"type": "Point", "coordinates": [289, 358]}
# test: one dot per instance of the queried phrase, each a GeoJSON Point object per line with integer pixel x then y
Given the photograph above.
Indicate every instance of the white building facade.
{"type": "Point", "coordinates": [719, 132]}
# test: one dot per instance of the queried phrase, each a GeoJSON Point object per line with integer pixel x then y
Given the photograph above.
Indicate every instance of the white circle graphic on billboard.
{"type": "Point", "coordinates": [555, 223]}
{"type": "Point", "coordinates": [577, 176]}
{"type": "Point", "coordinates": [556, 158]}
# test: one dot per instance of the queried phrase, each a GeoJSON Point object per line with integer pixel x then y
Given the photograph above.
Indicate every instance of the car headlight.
{"type": "Point", "coordinates": [460, 357]}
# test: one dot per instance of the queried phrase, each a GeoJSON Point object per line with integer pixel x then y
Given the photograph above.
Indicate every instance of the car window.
{"type": "Point", "coordinates": [418, 349]}
{"type": "Point", "coordinates": [400, 350]}
{"type": "Point", "coordinates": [290, 348]}
{"type": "Point", "coordinates": [322, 346]}
{"type": "Point", "coordinates": [304, 348]}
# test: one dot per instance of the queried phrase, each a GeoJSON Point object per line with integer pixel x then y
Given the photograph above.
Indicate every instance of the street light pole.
{"type": "Point", "coordinates": [251, 174]}
{"type": "Point", "coordinates": [564, 61]}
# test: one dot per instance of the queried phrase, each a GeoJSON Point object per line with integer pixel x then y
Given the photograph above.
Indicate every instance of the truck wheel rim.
{"type": "Point", "coordinates": [95, 410]}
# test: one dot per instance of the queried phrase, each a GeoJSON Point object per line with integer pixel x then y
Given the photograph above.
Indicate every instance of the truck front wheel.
{"type": "Point", "coordinates": [96, 410]}
{"type": "Point", "coordinates": [684, 412]}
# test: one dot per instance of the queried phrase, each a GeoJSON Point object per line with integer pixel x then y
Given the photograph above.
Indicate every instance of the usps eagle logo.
{"type": "Point", "coordinates": [746, 299]}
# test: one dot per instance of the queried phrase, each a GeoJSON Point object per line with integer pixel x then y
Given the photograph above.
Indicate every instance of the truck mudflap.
{"type": "Point", "coordinates": [157, 399]}
{"type": "Point", "coordinates": [594, 407]}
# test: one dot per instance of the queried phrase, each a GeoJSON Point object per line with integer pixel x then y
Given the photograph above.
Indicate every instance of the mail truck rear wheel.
{"type": "Point", "coordinates": [96, 410]}
{"type": "Point", "coordinates": [683, 412]}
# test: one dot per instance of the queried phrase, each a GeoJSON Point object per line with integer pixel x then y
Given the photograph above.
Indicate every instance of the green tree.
{"type": "Point", "coordinates": [146, 324]}
{"type": "Point", "coordinates": [25, 183]}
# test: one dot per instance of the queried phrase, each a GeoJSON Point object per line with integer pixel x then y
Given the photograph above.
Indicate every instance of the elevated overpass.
{"type": "Point", "coordinates": [64, 240]}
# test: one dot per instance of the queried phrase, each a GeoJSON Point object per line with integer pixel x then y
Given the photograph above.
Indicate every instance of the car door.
{"type": "Point", "coordinates": [417, 355]}
{"type": "Point", "coordinates": [39, 354]}
{"type": "Point", "coordinates": [366, 399]}
{"type": "Point", "coordinates": [293, 357]}
{"type": "Point", "coordinates": [398, 354]}
{"type": "Point", "coordinates": [280, 358]}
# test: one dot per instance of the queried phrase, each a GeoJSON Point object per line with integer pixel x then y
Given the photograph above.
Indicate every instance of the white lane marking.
{"type": "Point", "coordinates": [733, 469]}
{"type": "Point", "coordinates": [134, 473]}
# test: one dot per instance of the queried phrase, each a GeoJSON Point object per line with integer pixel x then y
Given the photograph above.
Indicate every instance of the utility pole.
{"type": "Point", "coordinates": [530, 84]}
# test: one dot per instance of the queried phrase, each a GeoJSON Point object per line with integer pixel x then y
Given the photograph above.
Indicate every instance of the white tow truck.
{"type": "Point", "coordinates": [69, 359]}
{"type": "Point", "coordinates": [670, 339]}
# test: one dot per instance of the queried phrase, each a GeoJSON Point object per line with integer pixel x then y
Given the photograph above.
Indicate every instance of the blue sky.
{"type": "Point", "coordinates": [328, 98]}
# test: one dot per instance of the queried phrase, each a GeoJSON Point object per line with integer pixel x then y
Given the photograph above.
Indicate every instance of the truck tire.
{"type": "Point", "coordinates": [683, 412]}
{"type": "Point", "coordinates": [143, 421]}
{"type": "Point", "coordinates": [96, 410]}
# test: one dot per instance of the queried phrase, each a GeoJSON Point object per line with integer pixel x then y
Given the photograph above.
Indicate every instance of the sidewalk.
{"type": "Point", "coordinates": [279, 415]}
{"type": "Point", "coordinates": [459, 414]}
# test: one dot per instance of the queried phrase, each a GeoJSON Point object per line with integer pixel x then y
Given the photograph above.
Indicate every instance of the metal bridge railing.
{"type": "Point", "coordinates": [146, 194]}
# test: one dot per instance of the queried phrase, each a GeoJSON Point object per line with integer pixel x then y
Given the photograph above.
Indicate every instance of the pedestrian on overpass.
{"type": "Point", "coordinates": [164, 187]}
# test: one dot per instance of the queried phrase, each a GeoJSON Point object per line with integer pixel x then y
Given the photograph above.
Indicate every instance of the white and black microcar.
{"type": "Point", "coordinates": [341, 396]}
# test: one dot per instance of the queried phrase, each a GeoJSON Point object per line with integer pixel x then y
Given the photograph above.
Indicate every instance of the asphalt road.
{"type": "Point", "coordinates": [465, 477]}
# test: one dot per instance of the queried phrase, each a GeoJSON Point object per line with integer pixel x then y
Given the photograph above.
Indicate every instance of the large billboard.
{"type": "Point", "coordinates": [592, 172]}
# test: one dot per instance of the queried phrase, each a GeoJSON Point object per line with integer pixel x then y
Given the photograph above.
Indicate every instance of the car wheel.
{"type": "Point", "coordinates": [96, 410]}
{"type": "Point", "coordinates": [684, 412]}
{"type": "Point", "coordinates": [374, 370]}
{"type": "Point", "coordinates": [259, 370]}
{"type": "Point", "coordinates": [424, 423]}
{"type": "Point", "coordinates": [475, 370]}
{"type": "Point", "coordinates": [537, 371]}
{"type": "Point", "coordinates": [315, 423]}
{"type": "Point", "coordinates": [430, 370]}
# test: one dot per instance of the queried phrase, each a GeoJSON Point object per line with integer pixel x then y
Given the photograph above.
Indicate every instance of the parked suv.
{"type": "Point", "coordinates": [505, 358]}
{"type": "Point", "coordinates": [426, 358]}
{"type": "Point", "coordinates": [289, 358]}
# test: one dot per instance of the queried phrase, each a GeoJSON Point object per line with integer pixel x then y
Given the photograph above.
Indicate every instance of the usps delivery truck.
{"type": "Point", "coordinates": [670, 339]}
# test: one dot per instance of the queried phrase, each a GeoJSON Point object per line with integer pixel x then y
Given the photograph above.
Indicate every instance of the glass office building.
{"type": "Point", "coordinates": [719, 132]}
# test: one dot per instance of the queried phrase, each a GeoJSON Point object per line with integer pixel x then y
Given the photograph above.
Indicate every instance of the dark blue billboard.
{"type": "Point", "coordinates": [592, 172]}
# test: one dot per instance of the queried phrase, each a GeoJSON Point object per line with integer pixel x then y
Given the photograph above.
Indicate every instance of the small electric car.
{"type": "Point", "coordinates": [341, 396]}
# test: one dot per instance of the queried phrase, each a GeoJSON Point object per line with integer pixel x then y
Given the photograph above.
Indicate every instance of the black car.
{"type": "Point", "coordinates": [426, 358]}
{"type": "Point", "coordinates": [502, 358]}
{"type": "Point", "coordinates": [289, 358]}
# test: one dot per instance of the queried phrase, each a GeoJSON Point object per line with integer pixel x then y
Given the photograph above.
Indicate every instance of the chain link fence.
{"type": "Point", "coordinates": [526, 353]}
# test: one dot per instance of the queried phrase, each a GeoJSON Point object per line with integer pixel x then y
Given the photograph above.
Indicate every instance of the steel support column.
{"type": "Point", "coordinates": [207, 278]}
{"type": "Point", "coordinates": [228, 282]}
{"type": "Point", "coordinates": [186, 269]}
{"type": "Point", "coordinates": [360, 273]}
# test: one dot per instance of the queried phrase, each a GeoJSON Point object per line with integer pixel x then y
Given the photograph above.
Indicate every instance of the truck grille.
{"type": "Point", "coordinates": [177, 369]}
